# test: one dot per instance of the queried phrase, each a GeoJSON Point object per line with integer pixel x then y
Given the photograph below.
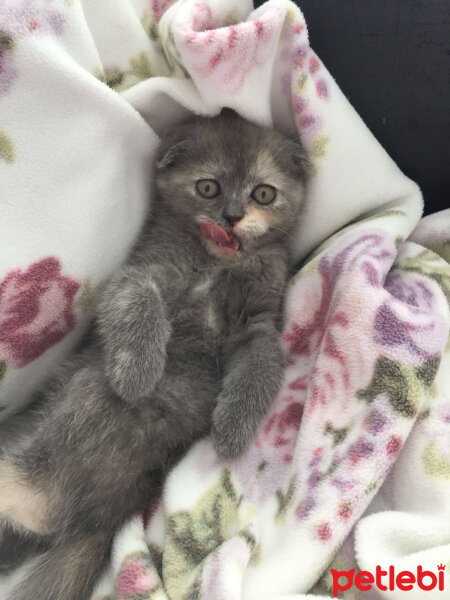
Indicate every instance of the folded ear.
{"type": "Point", "coordinates": [172, 150]}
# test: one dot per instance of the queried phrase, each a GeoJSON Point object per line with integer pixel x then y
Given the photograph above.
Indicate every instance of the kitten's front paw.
{"type": "Point", "coordinates": [135, 368]}
{"type": "Point", "coordinates": [231, 436]}
{"type": "Point", "coordinates": [132, 377]}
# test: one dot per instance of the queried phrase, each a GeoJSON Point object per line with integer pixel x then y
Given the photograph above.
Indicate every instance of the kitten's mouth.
{"type": "Point", "coordinates": [228, 243]}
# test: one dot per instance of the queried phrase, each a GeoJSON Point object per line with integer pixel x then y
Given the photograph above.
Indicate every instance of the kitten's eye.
{"type": "Point", "coordinates": [208, 188]}
{"type": "Point", "coordinates": [264, 194]}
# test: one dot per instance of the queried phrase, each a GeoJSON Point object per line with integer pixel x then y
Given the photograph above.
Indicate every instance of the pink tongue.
{"type": "Point", "coordinates": [211, 231]}
{"type": "Point", "coordinates": [227, 241]}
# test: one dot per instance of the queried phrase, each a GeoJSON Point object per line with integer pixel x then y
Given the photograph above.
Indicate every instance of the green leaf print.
{"type": "Point", "coordinates": [403, 385]}
{"type": "Point", "coordinates": [150, 25]}
{"type": "Point", "coordinates": [141, 67]}
{"type": "Point", "coordinates": [442, 249]}
{"type": "Point", "coordinates": [285, 499]}
{"type": "Point", "coordinates": [426, 372]}
{"type": "Point", "coordinates": [435, 463]}
{"type": "Point", "coordinates": [337, 433]}
{"type": "Point", "coordinates": [7, 150]}
{"type": "Point", "coordinates": [193, 535]}
{"type": "Point", "coordinates": [431, 264]}
{"type": "Point", "coordinates": [232, 18]}
{"type": "Point", "coordinates": [88, 294]}
{"type": "Point", "coordinates": [113, 77]}
{"type": "Point", "coordinates": [6, 41]}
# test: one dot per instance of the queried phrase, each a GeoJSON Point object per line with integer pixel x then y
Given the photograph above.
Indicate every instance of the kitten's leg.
{"type": "Point", "coordinates": [86, 471]}
{"type": "Point", "coordinates": [17, 428]}
{"type": "Point", "coordinates": [67, 571]}
{"type": "Point", "coordinates": [134, 328]}
{"type": "Point", "coordinates": [16, 546]}
{"type": "Point", "coordinates": [24, 505]}
{"type": "Point", "coordinates": [21, 501]}
{"type": "Point", "coordinates": [81, 473]}
{"type": "Point", "coordinates": [253, 377]}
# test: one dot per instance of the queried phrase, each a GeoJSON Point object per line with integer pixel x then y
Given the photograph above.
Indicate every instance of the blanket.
{"type": "Point", "coordinates": [350, 471]}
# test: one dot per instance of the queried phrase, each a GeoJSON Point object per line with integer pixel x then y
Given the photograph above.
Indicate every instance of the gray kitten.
{"type": "Point", "coordinates": [186, 339]}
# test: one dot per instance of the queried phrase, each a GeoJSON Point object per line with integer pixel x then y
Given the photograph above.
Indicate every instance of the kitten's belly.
{"type": "Point", "coordinates": [195, 339]}
{"type": "Point", "coordinates": [203, 302]}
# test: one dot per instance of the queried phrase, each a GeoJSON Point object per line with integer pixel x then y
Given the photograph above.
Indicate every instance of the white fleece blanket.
{"type": "Point", "coordinates": [85, 89]}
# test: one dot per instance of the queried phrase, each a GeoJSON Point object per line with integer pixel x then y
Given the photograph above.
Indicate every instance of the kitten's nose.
{"type": "Point", "coordinates": [232, 218]}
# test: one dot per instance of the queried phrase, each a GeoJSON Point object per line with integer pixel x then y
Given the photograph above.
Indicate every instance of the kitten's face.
{"type": "Point", "coordinates": [238, 185]}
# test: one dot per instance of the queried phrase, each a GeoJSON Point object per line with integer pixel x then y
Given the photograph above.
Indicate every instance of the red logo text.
{"type": "Point", "coordinates": [388, 580]}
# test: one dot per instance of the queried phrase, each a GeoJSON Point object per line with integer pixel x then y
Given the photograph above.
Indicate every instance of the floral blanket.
{"type": "Point", "coordinates": [351, 468]}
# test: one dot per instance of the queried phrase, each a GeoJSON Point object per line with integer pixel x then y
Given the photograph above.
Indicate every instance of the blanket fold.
{"type": "Point", "coordinates": [351, 467]}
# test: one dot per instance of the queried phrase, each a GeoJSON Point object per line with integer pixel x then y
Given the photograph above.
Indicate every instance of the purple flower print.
{"type": "Point", "coordinates": [31, 17]}
{"type": "Point", "coordinates": [23, 19]}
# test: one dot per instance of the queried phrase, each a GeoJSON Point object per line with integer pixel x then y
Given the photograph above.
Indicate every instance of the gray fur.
{"type": "Point", "coordinates": [185, 341]}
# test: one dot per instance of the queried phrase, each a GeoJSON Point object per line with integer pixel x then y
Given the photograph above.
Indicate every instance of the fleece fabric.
{"type": "Point", "coordinates": [351, 468]}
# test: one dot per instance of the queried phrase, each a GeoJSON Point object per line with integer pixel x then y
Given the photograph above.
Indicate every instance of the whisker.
{"type": "Point", "coordinates": [289, 235]}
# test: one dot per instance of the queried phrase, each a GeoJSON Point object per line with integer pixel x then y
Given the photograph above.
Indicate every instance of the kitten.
{"type": "Point", "coordinates": [186, 340]}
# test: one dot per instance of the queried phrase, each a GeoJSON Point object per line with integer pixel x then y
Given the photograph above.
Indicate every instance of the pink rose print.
{"type": "Point", "coordinates": [35, 311]}
{"type": "Point", "coordinates": [324, 318]}
{"type": "Point", "coordinates": [324, 532]}
{"type": "Point", "coordinates": [263, 470]}
{"type": "Point", "coordinates": [304, 77]}
{"type": "Point", "coordinates": [134, 580]}
{"type": "Point", "coordinates": [394, 445]}
{"type": "Point", "coordinates": [223, 58]}
{"type": "Point", "coordinates": [159, 7]}
{"type": "Point", "coordinates": [345, 510]}
{"type": "Point", "coordinates": [281, 430]}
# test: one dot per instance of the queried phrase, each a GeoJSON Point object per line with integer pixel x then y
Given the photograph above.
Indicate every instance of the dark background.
{"type": "Point", "coordinates": [391, 59]}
